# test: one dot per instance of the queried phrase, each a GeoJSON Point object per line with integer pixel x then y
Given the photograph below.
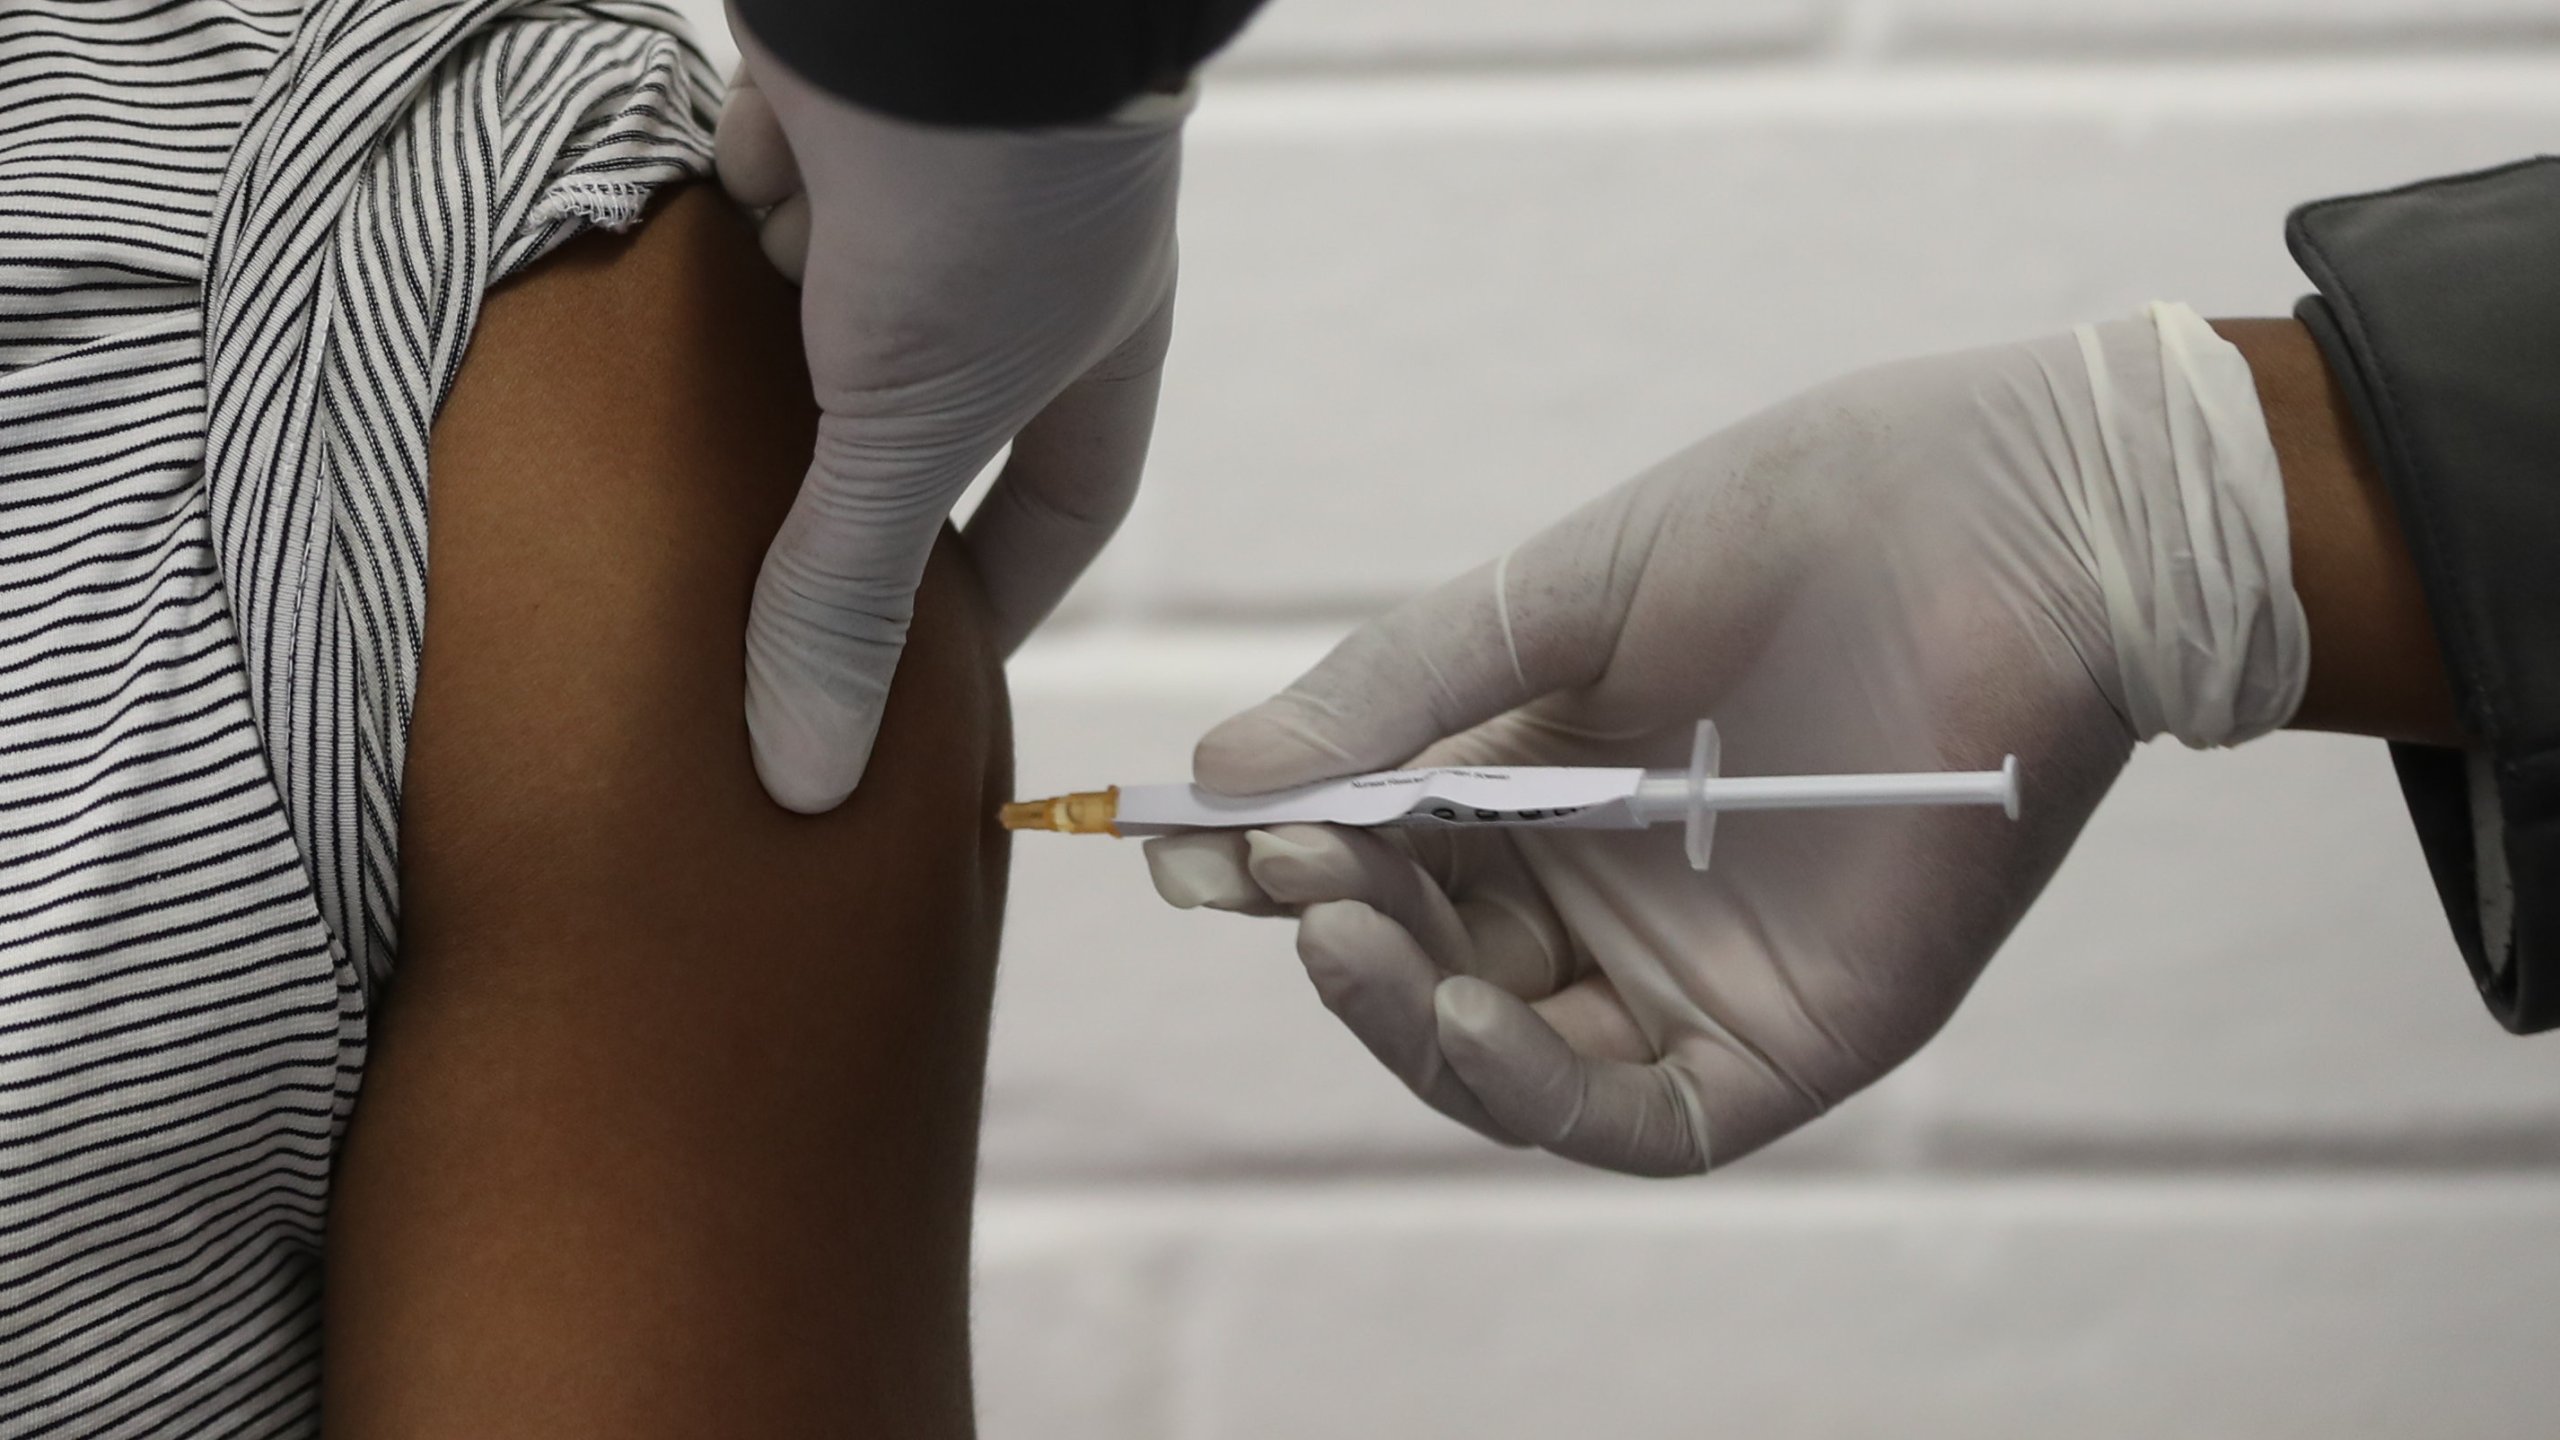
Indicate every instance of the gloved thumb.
{"type": "Point", "coordinates": [832, 606]}
{"type": "Point", "coordinates": [757, 168]}
{"type": "Point", "coordinates": [1493, 639]}
{"type": "Point", "coordinates": [750, 150]}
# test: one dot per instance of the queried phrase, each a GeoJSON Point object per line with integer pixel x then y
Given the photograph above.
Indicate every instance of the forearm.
{"type": "Point", "coordinates": [2375, 664]}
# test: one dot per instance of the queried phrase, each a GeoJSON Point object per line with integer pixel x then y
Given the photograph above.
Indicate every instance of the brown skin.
{"type": "Point", "coordinates": [670, 1126]}
{"type": "Point", "coordinates": [2375, 666]}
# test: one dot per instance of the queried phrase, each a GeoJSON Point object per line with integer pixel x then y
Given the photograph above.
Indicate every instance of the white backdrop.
{"type": "Point", "coordinates": [2222, 1146]}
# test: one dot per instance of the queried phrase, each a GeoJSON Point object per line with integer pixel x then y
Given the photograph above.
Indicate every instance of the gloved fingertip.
{"type": "Point", "coordinates": [800, 783]}
{"type": "Point", "coordinates": [749, 151]}
{"type": "Point", "coordinates": [784, 236]}
{"type": "Point", "coordinates": [1267, 847]}
{"type": "Point", "coordinates": [809, 762]}
{"type": "Point", "coordinates": [1300, 864]}
{"type": "Point", "coordinates": [1377, 981]}
{"type": "Point", "coordinates": [1191, 872]}
{"type": "Point", "coordinates": [1527, 1077]}
{"type": "Point", "coordinates": [1227, 761]}
{"type": "Point", "coordinates": [1265, 749]}
{"type": "Point", "coordinates": [1334, 928]}
{"type": "Point", "coordinates": [1468, 1005]}
{"type": "Point", "coordinates": [1345, 945]}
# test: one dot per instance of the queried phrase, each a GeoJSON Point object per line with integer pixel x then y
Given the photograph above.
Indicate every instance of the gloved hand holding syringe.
{"type": "Point", "coordinates": [1553, 797]}
{"type": "Point", "coordinates": [2049, 550]}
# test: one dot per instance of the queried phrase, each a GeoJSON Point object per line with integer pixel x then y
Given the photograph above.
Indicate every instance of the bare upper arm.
{"type": "Point", "coordinates": [670, 1123]}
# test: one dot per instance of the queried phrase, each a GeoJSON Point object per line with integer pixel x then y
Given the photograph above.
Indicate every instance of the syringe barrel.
{"type": "Point", "coordinates": [1663, 797]}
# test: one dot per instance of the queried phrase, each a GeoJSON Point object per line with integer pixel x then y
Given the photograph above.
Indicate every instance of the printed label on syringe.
{"type": "Point", "coordinates": [1564, 798]}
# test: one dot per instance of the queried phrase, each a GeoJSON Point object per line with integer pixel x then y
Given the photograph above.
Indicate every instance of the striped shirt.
{"type": "Point", "coordinates": [242, 244]}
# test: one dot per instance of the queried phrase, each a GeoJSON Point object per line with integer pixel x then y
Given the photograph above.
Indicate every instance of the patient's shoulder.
{"type": "Point", "coordinates": [628, 431]}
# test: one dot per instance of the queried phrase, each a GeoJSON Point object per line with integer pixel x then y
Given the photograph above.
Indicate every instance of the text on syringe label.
{"type": "Point", "coordinates": [1544, 795]}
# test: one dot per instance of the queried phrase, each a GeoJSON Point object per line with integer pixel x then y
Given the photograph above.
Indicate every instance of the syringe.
{"type": "Point", "coordinates": [1545, 797]}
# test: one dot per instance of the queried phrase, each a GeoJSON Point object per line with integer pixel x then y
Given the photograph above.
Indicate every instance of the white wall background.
{"type": "Point", "coordinates": [2223, 1146]}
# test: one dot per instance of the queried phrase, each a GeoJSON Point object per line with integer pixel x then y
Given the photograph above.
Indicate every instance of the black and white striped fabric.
{"type": "Point", "coordinates": [242, 244]}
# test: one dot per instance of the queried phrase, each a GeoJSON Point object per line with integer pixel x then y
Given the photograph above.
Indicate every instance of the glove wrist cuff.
{"type": "Point", "coordinates": [2183, 506]}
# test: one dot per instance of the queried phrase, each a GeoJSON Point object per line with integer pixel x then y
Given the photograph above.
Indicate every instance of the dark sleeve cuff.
{"type": "Point", "coordinates": [2439, 311]}
{"type": "Point", "coordinates": [995, 62]}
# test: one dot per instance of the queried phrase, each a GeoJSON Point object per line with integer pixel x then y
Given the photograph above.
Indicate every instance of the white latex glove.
{"type": "Point", "coordinates": [2051, 549]}
{"type": "Point", "coordinates": [960, 289]}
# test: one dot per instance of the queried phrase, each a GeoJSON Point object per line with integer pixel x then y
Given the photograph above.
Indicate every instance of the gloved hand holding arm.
{"type": "Point", "coordinates": [2053, 549]}
{"type": "Point", "coordinates": [962, 289]}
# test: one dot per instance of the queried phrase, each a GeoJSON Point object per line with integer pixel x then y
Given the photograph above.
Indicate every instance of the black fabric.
{"type": "Point", "coordinates": [995, 62]}
{"type": "Point", "coordinates": [2439, 308]}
